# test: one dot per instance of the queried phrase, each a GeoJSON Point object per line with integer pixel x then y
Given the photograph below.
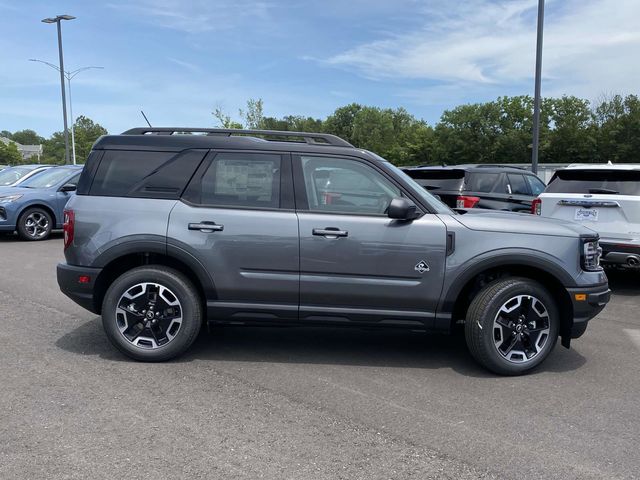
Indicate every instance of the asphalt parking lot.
{"type": "Point", "coordinates": [303, 403]}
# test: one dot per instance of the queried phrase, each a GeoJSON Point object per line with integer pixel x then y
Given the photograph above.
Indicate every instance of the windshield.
{"type": "Point", "coordinates": [608, 182]}
{"type": "Point", "coordinates": [419, 191]}
{"type": "Point", "coordinates": [47, 179]}
{"type": "Point", "coordinates": [11, 175]}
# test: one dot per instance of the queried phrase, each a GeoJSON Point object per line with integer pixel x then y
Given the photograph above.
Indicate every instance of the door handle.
{"type": "Point", "coordinates": [206, 227]}
{"type": "Point", "coordinates": [330, 232]}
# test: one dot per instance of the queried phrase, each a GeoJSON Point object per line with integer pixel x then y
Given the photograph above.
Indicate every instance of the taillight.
{"type": "Point", "coordinates": [68, 227]}
{"type": "Point", "coordinates": [536, 206]}
{"type": "Point", "coordinates": [464, 201]}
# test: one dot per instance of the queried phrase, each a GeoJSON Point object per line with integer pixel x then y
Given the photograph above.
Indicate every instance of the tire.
{"type": "Point", "coordinates": [34, 224]}
{"type": "Point", "coordinates": [128, 313]}
{"type": "Point", "coordinates": [512, 326]}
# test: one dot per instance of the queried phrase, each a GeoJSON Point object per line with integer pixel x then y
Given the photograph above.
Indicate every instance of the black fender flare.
{"type": "Point", "coordinates": [133, 244]}
{"type": "Point", "coordinates": [512, 257]}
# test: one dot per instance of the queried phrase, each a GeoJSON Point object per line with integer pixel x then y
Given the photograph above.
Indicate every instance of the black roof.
{"type": "Point", "coordinates": [181, 138]}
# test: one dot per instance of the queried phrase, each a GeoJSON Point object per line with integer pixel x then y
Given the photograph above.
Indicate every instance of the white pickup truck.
{"type": "Point", "coordinates": [603, 197]}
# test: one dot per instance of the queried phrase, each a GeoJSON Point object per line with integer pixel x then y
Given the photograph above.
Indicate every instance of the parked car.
{"type": "Point", "coordinates": [13, 176]}
{"type": "Point", "coordinates": [35, 207]}
{"type": "Point", "coordinates": [480, 186]}
{"type": "Point", "coordinates": [605, 198]}
{"type": "Point", "coordinates": [239, 226]}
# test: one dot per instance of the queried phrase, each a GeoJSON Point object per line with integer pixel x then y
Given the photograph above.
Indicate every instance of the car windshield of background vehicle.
{"type": "Point", "coordinates": [434, 180]}
{"type": "Point", "coordinates": [608, 182]}
{"type": "Point", "coordinates": [12, 175]}
{"type": "Point", "coordinates": [48, 179]}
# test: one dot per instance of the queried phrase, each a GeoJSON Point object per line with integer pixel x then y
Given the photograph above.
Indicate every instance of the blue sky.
{"type": "Point", "coordinates": [179, 60]}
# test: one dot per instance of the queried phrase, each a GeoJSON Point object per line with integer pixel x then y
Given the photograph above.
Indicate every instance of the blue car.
{"type": "Point", "coordinates": [36, 206]}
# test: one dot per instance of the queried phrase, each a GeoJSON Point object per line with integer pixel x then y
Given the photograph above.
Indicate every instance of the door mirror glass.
{"type": "Point", "coordinates": [402, 209]}
{"type": "Point", "coordinates": [68, 187]}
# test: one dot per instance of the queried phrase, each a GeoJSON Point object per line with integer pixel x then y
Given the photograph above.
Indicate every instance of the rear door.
{"type": "Point", "coordinates": [357, 264]}
{"type": "Point", "coordinates": [520, 196]}
{"type": "Point", "coordinates": [237, 218]}
{"type": "Point", "coordinates": [607, 201]}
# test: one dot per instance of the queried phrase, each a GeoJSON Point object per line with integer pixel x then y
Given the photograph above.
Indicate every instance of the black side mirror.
{"type": "Point", "coordinates": [402, 209]}
{"type": "Point", "coordinates": [68, 187]}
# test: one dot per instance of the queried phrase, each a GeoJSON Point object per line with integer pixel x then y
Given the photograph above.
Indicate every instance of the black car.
{"type": "Point", "coordinates": [481, 186]}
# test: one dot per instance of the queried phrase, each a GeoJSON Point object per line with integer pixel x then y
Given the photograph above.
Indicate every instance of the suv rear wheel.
{"type": "Point", "coordinates": [512, 325]}
{"type": "Point", "coordinates": [152, 313]}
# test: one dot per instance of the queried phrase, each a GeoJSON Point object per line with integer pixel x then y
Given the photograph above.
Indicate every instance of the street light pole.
{"type": "Point", "coordinates": [68, 76]}
{"type": "Point", "coordinates": [57, 21]}
{"type": "Point", "coordinates": [536, 99]}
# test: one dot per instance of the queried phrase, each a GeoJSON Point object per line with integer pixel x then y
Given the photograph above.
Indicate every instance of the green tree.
{"type": "Point", "coordinates": [225, 121]}
{"type": "Point", "coordinates": [572, 136]}
{"type": "Point", "coordinates": [617, 121]}
{"type": "Point", "coordinates": [9, 154]}
{"type": "Point", "coordinates": [27, 137]}
{"type": "Point", "coordinates": [253, 116]}
{"type": "Point", "coordinates": [341, 121]}
{"type": "Point", "coordinates": [86, 133]}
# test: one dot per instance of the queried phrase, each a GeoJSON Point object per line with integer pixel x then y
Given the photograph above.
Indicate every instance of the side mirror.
{"type": "Point", "coordinates": [402, 209]}
{"type": "Point", "coordinates": [68, 187]}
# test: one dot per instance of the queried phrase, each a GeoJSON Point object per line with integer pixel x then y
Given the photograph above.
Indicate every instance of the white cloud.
{"type": "Point", "coordinates": [590, 46]}
{"type": "Point", "coordinates": [194, 16]}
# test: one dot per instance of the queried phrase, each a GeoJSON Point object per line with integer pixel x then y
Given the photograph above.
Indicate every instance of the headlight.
{"type": "Point", "coordinates": [590, 254]}
{"type": "Point", "coordinates": [10, 198]}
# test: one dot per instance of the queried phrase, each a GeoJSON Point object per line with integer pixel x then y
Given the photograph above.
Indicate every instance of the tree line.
{"type": "Point", "coordinates": [572, 131]}
{"type": "Point", "coordinates": [86, 132]}
{"type": "Point", "coordinates": [500, 131]}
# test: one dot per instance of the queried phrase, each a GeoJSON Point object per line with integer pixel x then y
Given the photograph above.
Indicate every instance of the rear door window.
{"type": "Point", "coordinates": [518, 184]}
{"type": "Point", "coordinates": [612, 182]}
{"type": "Point", "coordinates": [482, 182]}
{"type": "Point", "coordinates": [249, 180]}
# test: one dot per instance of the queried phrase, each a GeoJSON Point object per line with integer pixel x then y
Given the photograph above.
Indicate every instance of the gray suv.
{"type": "Point", "coordinates": [172, 227]}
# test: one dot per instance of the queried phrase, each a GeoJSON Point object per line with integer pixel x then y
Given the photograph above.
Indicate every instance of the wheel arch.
{"type": "Point", "coordinates": [456, 300]}
{"type": "Point", "coordinates": [41, 205]}
{"type": "Point", "coordinates": [117, 261]}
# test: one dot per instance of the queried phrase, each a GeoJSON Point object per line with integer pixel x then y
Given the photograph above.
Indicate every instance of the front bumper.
{"type": "Point", "coordinates": [80, 292]}
{"type": "Point", "coordinates": [587, 303]}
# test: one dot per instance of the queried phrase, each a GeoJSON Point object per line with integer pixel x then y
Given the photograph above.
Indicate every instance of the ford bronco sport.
{"type": "Point", "coordinates": [172, 227]}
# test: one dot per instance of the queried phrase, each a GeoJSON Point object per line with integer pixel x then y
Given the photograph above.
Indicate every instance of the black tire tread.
{"type": "Point", "coordinates": [169, 353]}
{"type": "Point", "coordinates": [20, 227]}
{"type": "Point", "coordinates": [478, 309]}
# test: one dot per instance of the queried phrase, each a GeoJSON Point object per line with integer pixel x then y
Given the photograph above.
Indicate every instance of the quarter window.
{"type": "Point", "coordinates": [346, 186]}
{"type": "Point", "coordinates": [243, 180]}
{"type": "Point", "coordinates": [537, 187]}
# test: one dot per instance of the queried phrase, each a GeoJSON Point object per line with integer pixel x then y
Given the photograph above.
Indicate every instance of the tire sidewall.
{"type": "Point", "coordinates": [21, 224]}
{"type": "Point", "coordinates": [522, 287]}
{"type": "Point", "coordinates": [181, 288]}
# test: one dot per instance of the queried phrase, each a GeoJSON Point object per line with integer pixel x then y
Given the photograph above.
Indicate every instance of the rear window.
{"type": "Point", "coordinates": [145, 174]}
{"type": "Point", "coordinates": [612, 182]}
{"type": "Point", "coordinates": [438, 179]}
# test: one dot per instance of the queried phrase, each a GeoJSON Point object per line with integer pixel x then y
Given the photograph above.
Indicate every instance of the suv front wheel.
{"type": "Point", "coordinates": [512, 325]}
{"type": "Point", "coordinates": [152, 313]}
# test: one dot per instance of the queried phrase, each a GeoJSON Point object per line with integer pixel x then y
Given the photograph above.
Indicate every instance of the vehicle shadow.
{"type": "Point", "coordinates": [13, 237]}
{"type": "Point", "coordinates": [624, 282]}
{"type": "Point", "coordinates": [322, 346]}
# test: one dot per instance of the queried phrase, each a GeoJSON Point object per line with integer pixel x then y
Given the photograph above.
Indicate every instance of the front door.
{"type": "Point", "coordinates": [236, 220]}
{"type": "Point", "coordinates": [357, 264]}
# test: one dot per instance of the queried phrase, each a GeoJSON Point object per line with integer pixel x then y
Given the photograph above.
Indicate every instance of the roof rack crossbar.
{"type": "Point", "coordinates": [308, 137]}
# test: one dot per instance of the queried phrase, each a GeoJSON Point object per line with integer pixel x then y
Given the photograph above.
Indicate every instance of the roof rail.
{"type": "Point", "coordinates": [309, 137]}
{"type": "Point", "coordinates": [495, 165]}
